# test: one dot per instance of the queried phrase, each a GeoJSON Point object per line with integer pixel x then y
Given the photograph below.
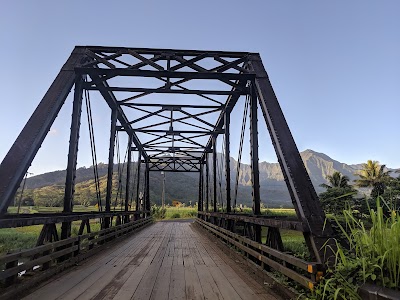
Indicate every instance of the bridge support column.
{"type": "Point", "coordinates": [255, 171]}
{"type": "Point", "coordinates": [214, 138]}
{"type": "Point", "coordinates": [207, 184]}
{"type": "Point", "coordinates": [200, 200]}
{"type": "Point", "coordinates": [301, 190]}
{"type": "Point", "coordinates": [228, 161]}
{"type": "Point", "coordinates": [110, 165]}
{"type": "Point", "coordinates": [138, 183]}
{"type": "Point", "coordinates": [128, 178]}
{"type": "Point", "coordinates": [72, 155]}
{"type": "Point", "coordinates": [147, 190]}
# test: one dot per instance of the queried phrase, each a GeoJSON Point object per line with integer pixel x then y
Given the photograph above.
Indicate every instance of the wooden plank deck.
{"type": "Point", "coordinates": [167, 260]}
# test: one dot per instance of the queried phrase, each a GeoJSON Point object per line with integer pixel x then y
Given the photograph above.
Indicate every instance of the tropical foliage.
{"type": "Point", "coordinates": [375, 176]}
{"type": "Point", "coordinates": [338, 193]}
{"type": "Point", "coordinates": [373, 255]}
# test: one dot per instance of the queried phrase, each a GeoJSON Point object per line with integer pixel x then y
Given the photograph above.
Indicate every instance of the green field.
{"type": "Point", "coordinates": [16, 239]}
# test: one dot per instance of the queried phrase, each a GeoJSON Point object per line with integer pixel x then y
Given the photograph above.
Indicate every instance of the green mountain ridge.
{"type": "Point", "coordinates": [184, 186]}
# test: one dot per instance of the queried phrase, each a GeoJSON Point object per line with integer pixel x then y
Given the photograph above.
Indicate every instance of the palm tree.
{"type": "Point", "coordinates": [338, 193]}
{"type": "Point", "coordinates": [373, 175]}
{"type": "Point", "coordinates": [336, 180]}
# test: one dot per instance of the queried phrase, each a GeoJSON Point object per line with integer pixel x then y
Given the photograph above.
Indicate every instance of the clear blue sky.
{"type": "Point", "coordinates": [334, 65]}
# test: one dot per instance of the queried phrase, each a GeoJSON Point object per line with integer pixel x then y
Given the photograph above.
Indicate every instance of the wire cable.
{"type": "Point", "coordinates": [244, 121]}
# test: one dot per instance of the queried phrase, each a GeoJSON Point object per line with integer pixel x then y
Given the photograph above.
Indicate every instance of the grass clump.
{"type": "Point", "coordinates": [158, 212]}
{"type": "Point", "coordinates": [176, 216]}
{"type": "Point", "coordinates": [11, 239]}
{"type": "Point", "coordinates": [372, 255]}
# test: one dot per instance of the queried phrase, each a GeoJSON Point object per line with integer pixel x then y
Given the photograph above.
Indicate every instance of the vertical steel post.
{"type": "Point", "coordinates": [138, 181]}
{"type": "Point", "coordinates": [255, 171]}
{"type": "Point", "coordinates": [163, 190]}
{"type": "Point", "coordinates": [113, 131]}
{"type": "Point", "coordinates": [207, 183]}
{"type": "Point", "coordinates": [128, 176]}
{"type": "Point", "coordinates": [215, 171]}
{"type": "Point", "coordinates": [200, 200]}
{"type": "Point", "coordinates": [147, 190]}
{"type": "Point", "coordinates": [72, 155]}
{"type": "Point", "coordinates": [202, 187]}
{"type": "Point", "coordinates": [227, 161]}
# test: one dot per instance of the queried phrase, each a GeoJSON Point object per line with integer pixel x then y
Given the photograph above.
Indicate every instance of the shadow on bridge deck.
{"type": "Point", "coordinates": [167, 260]}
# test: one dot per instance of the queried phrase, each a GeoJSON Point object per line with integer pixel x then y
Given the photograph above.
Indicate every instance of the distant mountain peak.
{"type": "Point", "coordinates": [309, 153]}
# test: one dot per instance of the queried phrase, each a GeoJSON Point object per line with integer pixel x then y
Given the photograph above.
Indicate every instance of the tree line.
{"type": "Point", "coordinates": [340, 193]}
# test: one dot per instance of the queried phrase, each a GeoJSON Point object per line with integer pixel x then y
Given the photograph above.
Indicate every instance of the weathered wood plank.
{"type": "Point", "coordinates": [168, 260]}
{"type": "Point", "coordinates": [192, 283]}
{"type": "Point", "coordinates": [83, 274]}
{"type": "Point", "coordinates": [162, 283]}
{"type": "Point", "coordinates": [209, 287]}
{"type": "Point", "coordinates": [177, 283]}
{"type": "Point", "coordinates": [146, 285]}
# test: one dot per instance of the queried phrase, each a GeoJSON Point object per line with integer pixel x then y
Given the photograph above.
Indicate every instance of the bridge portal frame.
{"type": "Point", "coordinates": [241, 73]}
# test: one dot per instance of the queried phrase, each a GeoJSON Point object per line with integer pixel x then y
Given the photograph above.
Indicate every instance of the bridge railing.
{"type": "Point", "coordinates": [15, 266]}
{"type": "Point", "coordinates": [20, 220]}
{"type": "Point", "coordinates": [303, 272]}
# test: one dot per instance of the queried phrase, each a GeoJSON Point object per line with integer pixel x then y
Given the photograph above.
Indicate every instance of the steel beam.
{"type": "Point", "coordinates": [138, 180]}
{"type": "Point", "coordinates": [304, 197]}
{"type": "Point", "coordinates": [112, 103]}
{"type": "Point", "coordinates": [147, 188]}
{"type": "Point", "coordinates": [228, 160]}
{"type": "Point", "coordinates": [165, 52]}
{"type": "Point", "coordinates": [255, 170]}
{"type": "Point", "coordinates": [110, 166]}
{"type": "Point", "coordinates": [167, 91]}
{"type": "Point", "coordinates": [20, 220]}
{"type": "Point", "coordinates": [128, 174]}
{"type": "Point", "coordinates": [215, 171]}
{"type": "Point", "coordinates": [72, 156]}
{"type": "Point", "coordinates": [200, 200]}
{"type": "Point", "coordinates": [18, 159]}
{"type": "Point", "coordinates": [171, 106]}
{"type": "Point", "coordinates": [207, 183]}
{"type": "Point", "coordinates": [178, 132]}
{"type": "Point", "coordinates": [230, 103]}
{"type": "Point", "coordinates": [168, 74]}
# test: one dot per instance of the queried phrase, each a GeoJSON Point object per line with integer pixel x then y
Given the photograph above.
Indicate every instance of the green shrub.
{"type": "Point", "coordinates": [373, 255]}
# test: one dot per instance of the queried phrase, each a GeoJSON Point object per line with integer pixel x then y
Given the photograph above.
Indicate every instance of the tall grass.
{"type": "Point", "coordinates": [20, 238]}
{"type": "Point", "coordinates": [373, 255]}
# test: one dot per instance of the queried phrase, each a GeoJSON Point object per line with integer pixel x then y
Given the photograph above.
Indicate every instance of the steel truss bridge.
{"type": "Point", "coordinates": [171, 105]}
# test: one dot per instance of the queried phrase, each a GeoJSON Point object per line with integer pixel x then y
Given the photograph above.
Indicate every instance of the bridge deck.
{"type": "Point", "coordinates": [167, 260]}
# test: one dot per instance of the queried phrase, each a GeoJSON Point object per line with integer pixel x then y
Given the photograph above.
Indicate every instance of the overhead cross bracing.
{"type": "Point", "coordinates": [181, 101]}
{"type": "Point", "coordinates": [172, 105]}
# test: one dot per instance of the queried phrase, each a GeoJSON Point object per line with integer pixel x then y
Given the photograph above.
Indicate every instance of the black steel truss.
{"type": "Point", "coordinates": [141, 87]}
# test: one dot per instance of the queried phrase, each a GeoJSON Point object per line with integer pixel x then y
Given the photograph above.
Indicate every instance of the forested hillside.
{"type": "Point", "coordinates": [47, 189]}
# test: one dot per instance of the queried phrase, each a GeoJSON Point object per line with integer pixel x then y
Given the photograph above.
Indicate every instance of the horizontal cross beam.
{"type": "Point", "coordinates": [167, 91]}
{"type": "Point", "coordinates": [167, 74]}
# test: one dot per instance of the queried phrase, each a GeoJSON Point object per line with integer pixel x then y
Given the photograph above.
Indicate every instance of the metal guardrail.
{"type": "Point", "coordinates": [275, 259]}
{"type": "Point", "coordinates": [44, 257]}
{"type": "Point", "coordinates": [20, 220]}
{"type": "Point", "coordinates": [260, 220]}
